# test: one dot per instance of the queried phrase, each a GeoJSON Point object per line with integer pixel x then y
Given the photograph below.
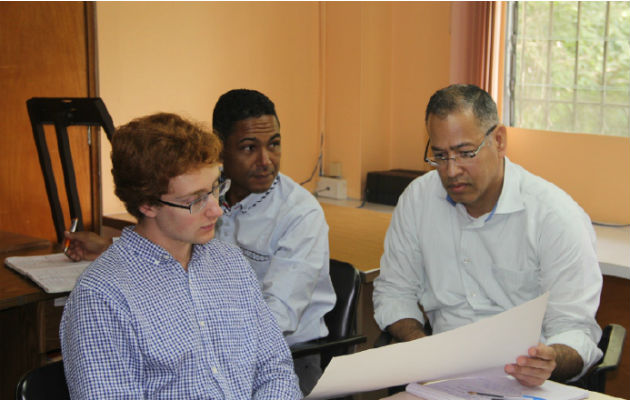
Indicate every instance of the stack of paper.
{"type": "Point", "coordinates": [55, 273]}
{"type": "Point", "coordinates": [494, 387]}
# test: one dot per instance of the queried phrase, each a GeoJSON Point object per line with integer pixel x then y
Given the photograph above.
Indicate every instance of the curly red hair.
{"type": "Point", "coordinates": [149, 151]}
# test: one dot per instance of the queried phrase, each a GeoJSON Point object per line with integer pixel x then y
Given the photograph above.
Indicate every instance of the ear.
{"type": "Point", "coordinates": [500, 136]}
{"type": "Point", "coordinates": [149, 211]}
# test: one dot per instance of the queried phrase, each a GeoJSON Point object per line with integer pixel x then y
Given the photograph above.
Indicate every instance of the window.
{"type": "Point", "coordinates": [568, 66]}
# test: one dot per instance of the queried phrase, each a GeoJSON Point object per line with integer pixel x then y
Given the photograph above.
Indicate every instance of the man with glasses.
{"type": "Point", "coordinates": [278, 225]}
{"type": "Point", "coordinates": [479, 235]}
{"type": "Point", "coordinates": [166, 312]}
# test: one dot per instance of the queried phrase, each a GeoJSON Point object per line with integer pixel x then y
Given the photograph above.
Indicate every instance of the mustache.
{"type": "Point", "coordinates": [262, 171]}
{"type": "Point", "coordinates": [452, 182]}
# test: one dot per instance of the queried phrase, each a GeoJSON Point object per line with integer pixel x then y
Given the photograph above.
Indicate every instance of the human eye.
{"type": "Point", "coordinates": [440, 156]}
{"type": "Point", "coordinates": [467, 154]}
{"type": "Point", "coordinates": [198, 199]}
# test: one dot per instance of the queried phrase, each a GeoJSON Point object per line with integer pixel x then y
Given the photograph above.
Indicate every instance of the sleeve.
{"type": "Point", "coordinates": [570, 272]}
{"type": "Point", "coordinates": [98, 347]}
{"type": "Point", "coordinates": [275, 378]}
{"type": "Point", "coordinates": [399, 286]}
{"type": "Point", "coordinates": [300, 259]}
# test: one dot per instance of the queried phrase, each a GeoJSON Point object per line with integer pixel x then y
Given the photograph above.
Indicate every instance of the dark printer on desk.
{"type": "Point", "coordinates": [384, 187]}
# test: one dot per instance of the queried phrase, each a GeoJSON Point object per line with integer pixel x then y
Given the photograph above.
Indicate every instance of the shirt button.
{"type": "Point", "coordinates": [202, 323]}
{"type": "Point", "coordinates": [466, 260]}
{"type": "Point", "coordinates": [215, 370]}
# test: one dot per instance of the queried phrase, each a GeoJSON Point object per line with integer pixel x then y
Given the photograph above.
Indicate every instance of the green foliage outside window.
{"type": "Point", "coordinates": [569, 66]}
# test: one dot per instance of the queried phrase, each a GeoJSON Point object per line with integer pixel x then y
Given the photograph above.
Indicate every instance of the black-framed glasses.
{"type": "Point", "coordinates": [460, 157]}
{"type": "Point", "coordinates": [218, 190]}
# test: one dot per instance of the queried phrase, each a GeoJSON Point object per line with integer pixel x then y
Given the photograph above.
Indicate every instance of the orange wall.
{"type": "Point", "coordinates": [378, 63]}
{"type": "Point", "coordinates": [420, 66]}
{"type": "Point", "coordinates": [180, 57]}
{"type": "Point", "coordinates": [593, 169]}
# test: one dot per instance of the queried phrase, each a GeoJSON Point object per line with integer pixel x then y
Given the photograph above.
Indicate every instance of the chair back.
{"type": "Point", "coordinates": [341, 320]}
{"type": "Point", "coordinates": [44, 383]}
{"type": "Point", "coordinates": [64, 112]}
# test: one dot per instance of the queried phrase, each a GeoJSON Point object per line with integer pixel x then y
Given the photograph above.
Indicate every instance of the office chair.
{"type": "Point", "coordinates": [44, 383]}
{"type": "Point", "coordinates": [341, 320]}
{"type": "Point", "coordinates": [611, 343]}
{"type": "Point", "coordinates": [64, 112]}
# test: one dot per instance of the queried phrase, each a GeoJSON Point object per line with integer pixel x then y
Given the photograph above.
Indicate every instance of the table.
{"type": "Point", "coordinates": [409, 396]}
{"type": "Point", "coordinates": [29, 318]}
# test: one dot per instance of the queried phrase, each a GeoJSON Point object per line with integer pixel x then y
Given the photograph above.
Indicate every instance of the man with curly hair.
{"type": "Point", "coordinates": [166, 312]}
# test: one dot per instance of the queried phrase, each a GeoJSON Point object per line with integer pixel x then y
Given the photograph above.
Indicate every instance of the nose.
{"type": "Point", "coordinates": [452, 167]}
{"type": "Point", "coordinates": [264, 158]}
{"type": "Point", "coordinates": [213, 210]}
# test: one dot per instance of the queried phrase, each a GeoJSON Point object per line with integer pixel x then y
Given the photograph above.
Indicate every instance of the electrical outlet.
{"type": "Point", "coordinates": [334, 188]}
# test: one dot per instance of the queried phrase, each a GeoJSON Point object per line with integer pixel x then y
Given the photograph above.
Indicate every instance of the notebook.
{"type": "Point", "coordinates": [55, 273]}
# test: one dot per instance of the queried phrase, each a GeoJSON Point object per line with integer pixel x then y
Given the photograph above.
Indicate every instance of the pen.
{"type": "Point", "coordinates": [501, 397]}
{"type": "Point", "coordinates": [73, 228]}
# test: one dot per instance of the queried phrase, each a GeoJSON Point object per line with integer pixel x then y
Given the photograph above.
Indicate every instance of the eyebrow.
{"type": "Point", "coordinates": [198, 192]}
{"type": "Point", "coordinates": [456, 147]}
{"type": "Point", "coordinates": [255, 138]}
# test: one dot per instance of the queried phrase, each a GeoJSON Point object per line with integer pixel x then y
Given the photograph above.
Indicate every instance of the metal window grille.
{"type": "Point", "coordinates": [568, 66]}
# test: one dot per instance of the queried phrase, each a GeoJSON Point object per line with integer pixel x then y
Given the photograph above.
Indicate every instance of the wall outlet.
{"type": "Point", "coordinates": [334, 188]}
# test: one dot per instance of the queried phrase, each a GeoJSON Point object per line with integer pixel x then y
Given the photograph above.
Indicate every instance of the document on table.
{"type": "Point", "coordinates": [55, 273]}
{"type": "Point", "coordinates": [499, 387]}
{"type": "Point", "coordinates": [487, 344]}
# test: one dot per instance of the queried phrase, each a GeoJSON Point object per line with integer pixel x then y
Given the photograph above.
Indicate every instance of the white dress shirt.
{"type": "Point", "coordinates": [462, 269]}
{"type": "Point", "coordinates": [284, 235]}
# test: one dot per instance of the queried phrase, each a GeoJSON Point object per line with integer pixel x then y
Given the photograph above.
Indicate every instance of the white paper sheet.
{"type": "Point", "coordinates": [488, 344]}
{"type": "Point", "coordinates": [55, 273]}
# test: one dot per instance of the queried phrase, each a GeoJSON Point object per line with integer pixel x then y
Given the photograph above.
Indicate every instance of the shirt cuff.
{"type": "Point", "coordinates": [583, 344]}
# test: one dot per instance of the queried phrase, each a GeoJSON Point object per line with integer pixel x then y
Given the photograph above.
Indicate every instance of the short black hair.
{"type": "Point", "coordinates": [459, 97]}
{"type": "Point", "coordinates": [237, 105]}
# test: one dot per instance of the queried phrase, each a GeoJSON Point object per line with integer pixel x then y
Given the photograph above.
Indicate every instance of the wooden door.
{"type": "Point", "coordinates": [46, 50]}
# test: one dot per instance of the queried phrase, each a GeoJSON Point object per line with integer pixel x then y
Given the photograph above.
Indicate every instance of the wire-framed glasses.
{"type": "Point", "coordinates": [440, 160]}
{"type": "Point", "coordinates": [218, 190]}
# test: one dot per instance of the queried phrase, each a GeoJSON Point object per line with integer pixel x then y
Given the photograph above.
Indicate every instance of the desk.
{"type": "Point", "coordinates": [29, 323]}
{"type": "Point", "coordinates": [409, 396]}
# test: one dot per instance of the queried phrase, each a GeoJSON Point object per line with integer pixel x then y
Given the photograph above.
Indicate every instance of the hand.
{"type": "Point", "coordinates": [406, 329]}
{"type": "Point", "coordinates": [535, 368]}
{"type": "Point", "coordinates": [85, 245]}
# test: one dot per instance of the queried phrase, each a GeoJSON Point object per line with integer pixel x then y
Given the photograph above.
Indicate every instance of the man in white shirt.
{"type": "Point", "coordinates": [479, 235]}
{"type": "Point", "coordinates": [279, 226]}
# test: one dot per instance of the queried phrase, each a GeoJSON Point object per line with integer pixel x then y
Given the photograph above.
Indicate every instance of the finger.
{"type": "Point", "coordinates": [526, 376]}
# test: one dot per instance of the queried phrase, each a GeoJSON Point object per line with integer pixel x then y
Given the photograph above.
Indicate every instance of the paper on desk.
{"type": "Point", "coordinates": [487, 344]}
{"type": "Point", "coordinates": [55, 273]}
{"type": "Point", "coordinates": [502, 386]}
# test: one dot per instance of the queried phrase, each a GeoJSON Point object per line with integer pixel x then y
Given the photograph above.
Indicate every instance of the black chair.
{"type": "Point", "coordinates": [64, 112]}
{"type": "Point", "coordinates": [341, 320]}
{"type": "Point", "coordinates": [44, 383]}
{"type": "Point", "coordinates": [611, 344]}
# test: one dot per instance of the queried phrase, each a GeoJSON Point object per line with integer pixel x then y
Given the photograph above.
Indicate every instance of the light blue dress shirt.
{"type": "Point", "coordinates": [462, 269]}
{"type": "Point", "coordinates": [139, 326]}
{"type": "Point", "coordinates": [284, 235]}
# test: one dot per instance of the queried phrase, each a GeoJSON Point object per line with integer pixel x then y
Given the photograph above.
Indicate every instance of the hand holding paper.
{"type": "Point", "coordinates": [487, 344]}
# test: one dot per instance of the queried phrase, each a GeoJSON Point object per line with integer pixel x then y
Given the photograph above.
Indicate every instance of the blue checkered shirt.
{"type": "Point", "coordinates": [137, 325]}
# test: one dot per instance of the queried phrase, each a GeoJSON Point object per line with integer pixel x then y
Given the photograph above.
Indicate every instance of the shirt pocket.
{"type": "Point", "coordinates": [518, 284]}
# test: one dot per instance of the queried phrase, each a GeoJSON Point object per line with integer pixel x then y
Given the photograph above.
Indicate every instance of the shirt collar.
{"type": "Point", "coordinates": [251, 200]}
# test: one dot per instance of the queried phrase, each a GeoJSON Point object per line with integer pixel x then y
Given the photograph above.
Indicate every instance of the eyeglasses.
{"type": "Point", "coordinates": [218, 190]}
{"type": "Point", "coordinates": [461, 157]}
